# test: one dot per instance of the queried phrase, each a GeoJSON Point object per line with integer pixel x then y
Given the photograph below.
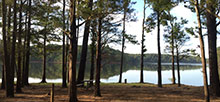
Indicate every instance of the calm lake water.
{"type": "Point", "coordinates": [189, 77]}
{"type": "Point", "coordinates": [191, 74]}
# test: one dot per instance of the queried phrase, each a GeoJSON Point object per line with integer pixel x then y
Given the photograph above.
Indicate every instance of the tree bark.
{"type": "Point", "coordinates": [159, 52]}
{"type": "Point", "coordinates": [9, 29]}
{"type": "Point", "coordinates": [67, 51]}
{"type": "Point", "coordinates": [73, 54]}
{"type": "Point", "coordinates": [123, 46]}
{"type": "Point", "coordinates": [24, 49]}
{"type": "Point", "coordinates": [82, 64]}
{"type": "Point", "coordinates": [172, 51]}
{"type": "Point", "coordinates": [178, 66]}
{"type": "Point", "coordinates": [12, 62]}
{"type": "Point", "coordinates": [9, 91]}
{"type": "Point", "coordinates": [202, 48]}
{"type": "Point", "coordinates": [45, 58]}
{"type": "Point", "coordinates": [64, 85]}
{"type": "Point", "coordinates": [213, 64]}
{"type": "Point", "coordinates": [18, 85]}
{"type": "Point", "coordinates": [67, 58]}
{"type": "Point", "coordinates": [142, 46]}
{"type": "Point", "coordinates": [26, 70]}
{"type": "Point", "coordinates": [98, 59]}
{"type": "Point", "coordinates": [92, 57]}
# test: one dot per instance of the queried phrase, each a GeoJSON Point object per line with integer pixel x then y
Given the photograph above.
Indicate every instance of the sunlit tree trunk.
{"type": "Point", "coordinates": [82, 64]}
{"type": "Point", "coordinates": [73, 54]}
{"type": "Point", "coordinates": [202, 48]}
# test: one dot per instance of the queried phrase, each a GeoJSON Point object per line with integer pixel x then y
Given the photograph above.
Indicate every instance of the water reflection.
{"type": "Point", "coordinates": [189, 77]}
{"type": "Point", "coordinates": [191, 74]}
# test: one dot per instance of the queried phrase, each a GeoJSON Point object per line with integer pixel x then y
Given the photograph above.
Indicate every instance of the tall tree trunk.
{"type": "Point", "coordinates": [24, 49]}
{"type": "Point", "coordinates": [26, 70]}
{"type": "Point", "coordinates": [18, 85]}
{"type": "Point", "coordinates": [213, 65]}
{"type": "Point", "coordinates": [178, 66]}
{"type": "Point", "coordinates": [45, 58]}
{"type": "Point", "coordinates": [98, 59]}
{"type": "Point", "coordinates": [67, 50]}
{"type": "Point", "coordinates": [3, 76]}
{"type": "Point", "coordinates": [92, 56]}
{"type": "Point", "coordinates": [82, 64]}
{"type": "Point", "coordinates": [64, 85]}
{"type": "Point", "coordinates": [123, 45]}
{"type": "Point", "coordinates": [142, 46]}
{"type": "Point", "coordinates": [9, 32]}
{"type": "Point", "coordinates": [172, 51]}
{"type": "Point", "coordinates": [67, 58]}
{"type": "Point", "coordinates": [78, 19]}
{"type": "Point", "coordinates": [159, 52]}
{"type": "Point", "coordinates": [73, 54]}
{"type": "Point", "coordinates": [9, 91]}
{"type": "Point", "coordinates": [12, 62]}
{"type": "Point", "coordinates": [202, 48]}
{"type": "Point", "coordinates": [4, 13]}
{"type": "Point", "coordinates": [9, 29]}
{"type": "Point", "coordinates": [45, 49]}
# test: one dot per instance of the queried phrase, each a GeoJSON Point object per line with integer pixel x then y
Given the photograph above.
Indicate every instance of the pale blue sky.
{"type": "Point", "coordinates": [151, 38]}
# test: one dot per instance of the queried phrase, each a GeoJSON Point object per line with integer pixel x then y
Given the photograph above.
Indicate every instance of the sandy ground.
{"type": "Point", "coordinates": [113, 93]}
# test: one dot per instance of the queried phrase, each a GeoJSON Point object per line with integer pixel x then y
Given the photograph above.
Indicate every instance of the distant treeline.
{"type": "Point", "coordinates": [110, 56]}
{"type": "Point", "coordinates": [110, 62]}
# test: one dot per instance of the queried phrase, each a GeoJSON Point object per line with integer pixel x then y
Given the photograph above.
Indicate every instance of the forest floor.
{"type": "Point", "coordinates": [112, 93]}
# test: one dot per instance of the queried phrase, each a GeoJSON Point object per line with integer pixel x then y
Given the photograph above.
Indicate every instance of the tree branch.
{"type": "Point", "coordinates": [213, 14]}
{"type": "Point", "coordinates": [23, 2]}
{"type": "Point", "coordinates": [66, 33]}
{"type": "Point", "coordinates": [218, 24]}
{"type": "Point", "coordinates": [218, 12]}
{"type": "Point", "coordinates": [80, 24]}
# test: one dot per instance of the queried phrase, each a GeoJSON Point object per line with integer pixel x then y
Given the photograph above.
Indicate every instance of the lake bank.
{"type": "Point", "coordinates": [114, 93]}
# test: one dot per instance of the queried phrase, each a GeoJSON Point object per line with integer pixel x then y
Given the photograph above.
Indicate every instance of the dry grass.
{"type": "Point", "coordinates": [113, 93]}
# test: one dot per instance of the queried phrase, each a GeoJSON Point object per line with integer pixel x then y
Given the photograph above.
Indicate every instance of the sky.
{"type": "Point", "coordinates": [135, 28]}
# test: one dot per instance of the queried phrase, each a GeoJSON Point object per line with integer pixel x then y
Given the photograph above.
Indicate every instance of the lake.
{"type": "Point", "coordinates": [191, 74]}
{"type": "Point", "coordinates": [189, 77]}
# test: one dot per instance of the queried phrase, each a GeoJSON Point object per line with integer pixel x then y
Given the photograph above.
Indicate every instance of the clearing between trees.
{"type": "Point", "coordinates": [113, 92]}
